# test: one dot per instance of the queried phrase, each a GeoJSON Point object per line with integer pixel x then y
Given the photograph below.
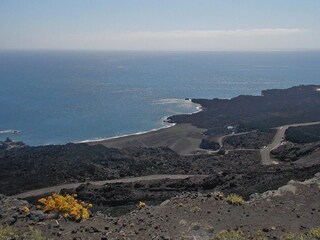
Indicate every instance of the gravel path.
{"type": "Point", "coordinates": [41, 191]}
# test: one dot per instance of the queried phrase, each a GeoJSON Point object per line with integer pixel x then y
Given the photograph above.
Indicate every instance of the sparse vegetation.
{"type": "Point", "coordinates": [234, 199]}
{"type": "Point", "coordinates": [230, 235]}
{"type": "Point", "coordinates": [314, 233]}
{"type": "Point", "coordinates": [260, 236]}
{"type": "Point", "coordinates": [10, 233]}
{"type": "Point", "coordinates": [34, 234]}
{"type": "Point", "coordinates": [294, 236]}
{"type": "Point", "coordinates": [7, 233]}
{"type": "Point", "coordinates": [195, 209]}
{"type": "Point", "coordinates": [67, 206]}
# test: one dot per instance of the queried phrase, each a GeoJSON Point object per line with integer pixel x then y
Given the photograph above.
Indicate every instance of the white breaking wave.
{"type": "Point", "coordinates": [9, 131]}
{"type": "Point", "coordinates": [127, 135]}
{"type": "Point", "coordinates": [172, 101]}
{"type": "Point", "coordinates": [199, 109]}
{"type": "Point", "coordinates": [187, 103]}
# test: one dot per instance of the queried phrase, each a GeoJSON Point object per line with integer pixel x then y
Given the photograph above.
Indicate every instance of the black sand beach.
{"type": "Point", "coordinates": [182, 138]}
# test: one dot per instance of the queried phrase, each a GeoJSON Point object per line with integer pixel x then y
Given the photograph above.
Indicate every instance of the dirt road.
{"type": "Point", "coordinates": [278, 138]}
{"type": "Point", "coordinates": [57, 189]}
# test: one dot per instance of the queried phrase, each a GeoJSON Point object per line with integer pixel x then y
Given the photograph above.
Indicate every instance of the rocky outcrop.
{"type": "Point", "coordinates": [303, 154]}
{"type": "Point", "coordinates": [273, 108]}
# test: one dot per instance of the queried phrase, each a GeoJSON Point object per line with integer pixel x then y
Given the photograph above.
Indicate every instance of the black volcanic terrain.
{"type": "Point", "coordinates": [37, 167]}
{"type": "Point", "coordinates": [236, 131]}
{"type": "Point", "coordinates": [273, 108]}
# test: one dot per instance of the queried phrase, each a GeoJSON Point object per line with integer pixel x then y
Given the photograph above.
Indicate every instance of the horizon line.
{"type": "Point", "coordinates": [162, 50]}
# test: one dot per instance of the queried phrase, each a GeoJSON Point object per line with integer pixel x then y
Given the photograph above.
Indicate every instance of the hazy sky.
{"type": "Point", "coordinates": [160, 25]}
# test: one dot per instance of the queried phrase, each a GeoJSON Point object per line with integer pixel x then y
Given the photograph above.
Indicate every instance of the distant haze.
{"type": "Point", "coordinates": [160, 25]}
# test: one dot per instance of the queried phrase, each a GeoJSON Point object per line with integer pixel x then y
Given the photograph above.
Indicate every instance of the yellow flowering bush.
{"type": "Point", "coordinates": [234, 199]}
{"type": "Point", "coordinates": [25, 209]}
{"type": "Point", "coordinates": [141, 204]}
{"type": "Point", "coordinates": [67, 206]}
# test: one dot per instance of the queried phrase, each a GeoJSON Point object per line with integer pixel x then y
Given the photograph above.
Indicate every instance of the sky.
{"type": "Point", "coordinates": [168, 25]}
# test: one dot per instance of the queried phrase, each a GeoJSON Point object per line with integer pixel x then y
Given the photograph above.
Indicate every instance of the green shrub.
{"type": "Point", "coordinates": [314, 233]}
{"type": "Point", "coordinates": [234, 199]}
{"type": "Point", "coordinates": [294, 236]}
{"type": "Point", "coordinates": [230, 235]}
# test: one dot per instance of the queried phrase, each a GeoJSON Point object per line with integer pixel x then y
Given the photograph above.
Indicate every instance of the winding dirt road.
{"type": "Point", "coordinates": [277, 140]}
{"type": "Point", "coordinates": [265, 160]}
{"type": "Point", "coordinates": [221, 140]}
{"type": "Point", "coordinates": [41, 191]}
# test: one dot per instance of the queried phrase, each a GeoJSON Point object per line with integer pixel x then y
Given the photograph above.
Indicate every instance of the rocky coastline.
{"type": "Point", "coordinates": [237, 129]}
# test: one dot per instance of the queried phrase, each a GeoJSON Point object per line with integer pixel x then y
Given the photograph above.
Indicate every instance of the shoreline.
{"type": "Point", "coordinates": [126, 135]}
{"type": "Point", "coordinates": [183, 139]}
{"type": "Point", "coordinates": [167, 124]}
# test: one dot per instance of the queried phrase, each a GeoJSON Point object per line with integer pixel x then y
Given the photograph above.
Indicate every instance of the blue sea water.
{"type": "Point", "coordinates": [55, 97]}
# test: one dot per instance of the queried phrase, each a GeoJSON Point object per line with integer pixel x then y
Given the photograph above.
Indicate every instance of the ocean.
{"type": "Point", "coordinates": [55, 97]}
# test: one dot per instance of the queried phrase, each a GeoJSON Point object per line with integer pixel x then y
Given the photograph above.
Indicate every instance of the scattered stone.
{"type": "Point", "coordinates": [195, 226]}
{"type": "Point", "coordinates": [11, 221]}
{"type": "Point", "coordinates": [210, 230]}
{"type": "Point", "coordinates": [165, 202]}
{"type": "Point", "coordinates": [93, 230]}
